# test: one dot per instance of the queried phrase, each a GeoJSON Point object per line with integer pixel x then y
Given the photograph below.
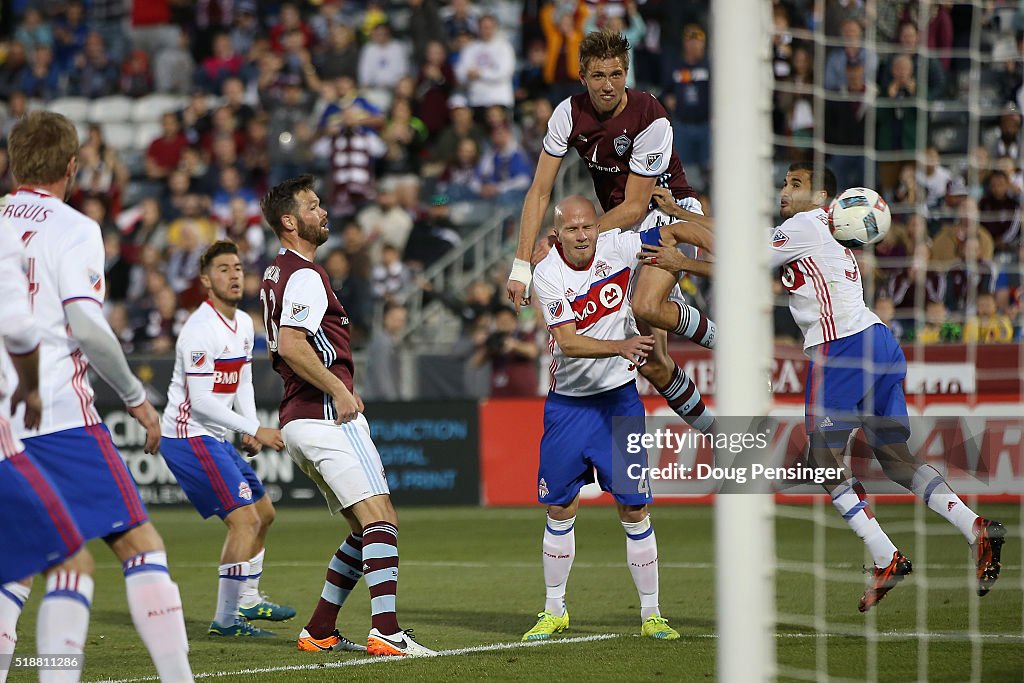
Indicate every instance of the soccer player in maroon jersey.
{"type": "Point", "coordinates": [625, 138]}
{"type": "Point", "coordinates": [323, 427]}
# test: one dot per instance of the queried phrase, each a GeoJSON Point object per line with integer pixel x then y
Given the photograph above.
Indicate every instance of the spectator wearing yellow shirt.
{"type": "Point", "coordinates": [989, 326]}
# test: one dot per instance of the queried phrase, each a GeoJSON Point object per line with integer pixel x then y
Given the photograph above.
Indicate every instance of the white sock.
{"type": "Point", "coordinates": [931, 487]}
{"type": "Point", "coordinates": [12, 598]}
{"type": "Point", "coordinates": [155, 605]}
{"type": "Point", "coordinates": [642, 556]}
{"type": "Point", "coordinates": [251, 587]}
{"type": "Point", "coordinates": [559, 550]}
{"type": "Point", "coordinates": [63, 621]}
{"type": "Point", "coordinates": [229, 589]}
{"type": "Point", "coordinates": [850, 500]}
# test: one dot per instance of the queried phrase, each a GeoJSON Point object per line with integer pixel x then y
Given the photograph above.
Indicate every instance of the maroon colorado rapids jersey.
{"type": "Point", "coordinates": [638, 140]}
{"type": "Point", "coordinates": [297, 293]}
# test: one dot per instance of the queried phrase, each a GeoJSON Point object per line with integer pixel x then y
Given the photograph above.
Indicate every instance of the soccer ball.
{"type": "Point", "coordinates": [857, 217]}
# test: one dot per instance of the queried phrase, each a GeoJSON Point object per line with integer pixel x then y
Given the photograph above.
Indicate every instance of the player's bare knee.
{"type": "Point", "coordinates": [266, 511]}
{"type": "Point", "coordinates": [560, 513]}
{"type": "Point", "coordinates": [140, 539]}
{"type": "Point", "coordinates": [375, 509]}
{"type": "Point", "coordinates": [80, 562]}
{"type": "Point", "coordinates": [244, 521]}
{"type": "Point", "coordinates": [632, 513]}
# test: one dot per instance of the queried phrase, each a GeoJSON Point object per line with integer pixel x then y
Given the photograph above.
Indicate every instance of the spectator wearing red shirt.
{"type": "Point", "coordinates": [164, 153]}
{"type": "Point", "coordinates": [290, 20]}
{"type": "Point", "coordinates": [222, 64]}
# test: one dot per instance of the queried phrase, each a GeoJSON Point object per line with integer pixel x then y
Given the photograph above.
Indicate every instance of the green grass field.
{"type": "Point", "coordinates": [472, 577]}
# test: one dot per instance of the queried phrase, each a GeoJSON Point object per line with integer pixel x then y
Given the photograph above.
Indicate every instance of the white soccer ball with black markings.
{"type": "Point", "coordinates": [858, 216]}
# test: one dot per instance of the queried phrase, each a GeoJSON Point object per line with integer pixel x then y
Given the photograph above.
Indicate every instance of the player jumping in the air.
{"type": "Point", "coordinates": [37, 533]}
{"type": "Point", "coordinates": [323, 426]}
{"type": "Point", "coordinates": [625, 138]}
{"type": "Point", "coordinates": [855, 379]}
{"type": "Point", "coordinates": [212, 373]}
{"type": "Point", "coordinates": [581, 286]}
{"type": "Point", "coordinates": [65, 265]}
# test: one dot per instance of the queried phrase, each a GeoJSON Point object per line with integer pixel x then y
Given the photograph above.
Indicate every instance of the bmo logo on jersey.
{"type": "Point", "coordinates": [603, 298]}
{"type": "Point", "coordinates": [226, 374]}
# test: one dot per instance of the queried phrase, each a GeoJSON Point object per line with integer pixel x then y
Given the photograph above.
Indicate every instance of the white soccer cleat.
{"type": "Point", "coordinates": [401, 644]}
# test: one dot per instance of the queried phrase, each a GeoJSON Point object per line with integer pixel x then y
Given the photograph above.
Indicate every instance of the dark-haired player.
{"type": "Point", "coordinates": [213, 377]}
{"type": "Point", "coordinates": [323, 427]}
{"type": "Point", "coordinates": [855, 379]}
{"type": "Point", "coordinates": [625, 138]}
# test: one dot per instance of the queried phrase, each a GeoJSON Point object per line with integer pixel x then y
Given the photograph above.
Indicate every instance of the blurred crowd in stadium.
{"type": "Point", "coordinates": [422, 116]}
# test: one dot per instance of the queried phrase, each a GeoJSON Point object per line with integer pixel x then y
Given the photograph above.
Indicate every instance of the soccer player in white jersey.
{"type": "Point", "coordinates": [65, 259]}
{"type": "Point", "coordinates": [625, 138]}
{"type": "Point", "coordinates": [212, 374]}
{"type": "Point", "coordinates": [37, 533]}
{"type": "Point", "coordinates": [855, 380]}
{"type": "Point", "coordinates": [582, 287]}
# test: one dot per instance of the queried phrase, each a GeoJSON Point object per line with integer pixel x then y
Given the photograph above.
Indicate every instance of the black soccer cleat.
{"type": "Point", "coordinates": [884, 579]}
{"type": "Point", "coordinates": [987, 550]}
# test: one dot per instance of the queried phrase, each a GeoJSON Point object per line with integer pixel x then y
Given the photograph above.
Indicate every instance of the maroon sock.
{"type": "Point", "coordinates": [380, 565]}
{"type": "Point", "coordinates": [342, 575]}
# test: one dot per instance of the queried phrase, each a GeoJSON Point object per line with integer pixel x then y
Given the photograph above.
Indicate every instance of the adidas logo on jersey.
{"type": "Point", "coordinates": [827, 422]}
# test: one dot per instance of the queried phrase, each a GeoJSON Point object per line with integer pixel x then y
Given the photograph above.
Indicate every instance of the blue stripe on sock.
{"type": "Point", "coordinates": [383, 603]}
{"type": "Point", "coordinates": [849, 514]}
{"type": "Point", "coordinates": [232, 578]}
{"type": "Point", "coordinates": [73, 595]}
{"type": "Point", "coordinates": [931, 487]}
{"type": "Point", "coordinates": [642, 535]}
{"type": "Point", "coordinates": [13, 598]}
{"type": "Point", "coordinates": [377, 551]}
{"type": "Point", "coordinates": [333, 594]}
{"type": "Point", "coordinates": [381, 575]}
{"type": "Point", "coordinates": [355, 554]}
{"type": "Point", "coordinates": [557, 533]}
{"type": "Point", "coordinates": [146, 568]}
{"type": "Point", "coordinates": [255, 576]}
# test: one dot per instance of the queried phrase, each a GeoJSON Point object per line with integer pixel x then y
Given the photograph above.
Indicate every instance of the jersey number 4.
{"type": "Point", "coordinates": [30, 270]}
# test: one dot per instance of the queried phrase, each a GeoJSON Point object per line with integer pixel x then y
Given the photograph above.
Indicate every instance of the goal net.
{"type": "Point", "coordinates": [920, 101]}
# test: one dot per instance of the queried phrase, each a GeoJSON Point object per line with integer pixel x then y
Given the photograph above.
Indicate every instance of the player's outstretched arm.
{"type": "Point", "coordinates": [535, 205]}
{"type": "Point", "coordinates": [577, 345]}
{"type": "Point", "coordinates": [90, 328]}
{"type": "Point", "coordinates": [689, 232]}
{"type": "Point", "coordinates": [667, 204]}
{"type": "Point", "coordinates": [672, 260]}
{"type": "Point", "coordinates": [634, 205]}
{"type": "Point", "coordinates": [299, 355]}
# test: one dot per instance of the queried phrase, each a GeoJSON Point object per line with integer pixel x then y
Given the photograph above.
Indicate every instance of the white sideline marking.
{"type": "Point", "coordinates": [454, 564]}
{"type": "Point", "coordinates": [365, 661]}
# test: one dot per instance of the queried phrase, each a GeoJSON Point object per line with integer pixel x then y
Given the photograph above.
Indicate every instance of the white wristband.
{"type": "Point", "coordinates": [521, 272]}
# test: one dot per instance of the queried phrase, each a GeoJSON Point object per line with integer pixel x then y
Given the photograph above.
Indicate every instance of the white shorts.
{"type": "Point", "coordinates": [341, 459]}
{"type": "Point", "coordinates": [657, 218]}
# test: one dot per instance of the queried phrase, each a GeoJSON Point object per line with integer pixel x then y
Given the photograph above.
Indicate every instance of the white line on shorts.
{"type": "Point", "coordinates": [365, 661]}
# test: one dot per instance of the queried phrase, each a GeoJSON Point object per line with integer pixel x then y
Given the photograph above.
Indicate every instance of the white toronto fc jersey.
{"type": "Point", "coordinates": [64, 263]}
{"type": "Point", "coordinates": [826, 293]}
{"type": "Point", "coordinates": [15, 316]}
{"type": "Point", "coordinates": [596, 299]}
{"type": "Point", "coordinates": [208, 344]}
